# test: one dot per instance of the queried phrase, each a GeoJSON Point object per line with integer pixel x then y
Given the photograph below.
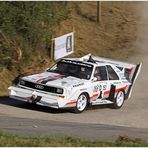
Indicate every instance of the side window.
{"type": "Point", "coordinates": [127, 74]}
{"type": "Point", "coordinates": [100, 73]}
{"type": "Point", "coordinates": [111, 73]}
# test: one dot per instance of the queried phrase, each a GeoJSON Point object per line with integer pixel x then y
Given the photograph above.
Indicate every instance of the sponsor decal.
{"type": "Point", "coordinates": [78, 85]}
{"type": "Point", "coordinates": [101, 102]}
{"type": "Point", "coordinates": [125, 81]}
{"type": "Point", "coordinates": [99, 87]}
{"type": "Point", "coordinates": [117, 83]}
{"type": "Point", "coordinates": [63, 82]}
{"type": "Point", "coordinates": [95, 88]}
{"type": "Point", "coordinates": [77, 63]}
{"type": "Point", "coordinates": [83, 89]}
{"type": "Point", "coordinates": [104, 87]}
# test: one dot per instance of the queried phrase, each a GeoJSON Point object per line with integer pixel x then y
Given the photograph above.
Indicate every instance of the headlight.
{"type": "Point", "coordinates": [59, 91]}
{"type": "Point", "coordinates": [22, 82]}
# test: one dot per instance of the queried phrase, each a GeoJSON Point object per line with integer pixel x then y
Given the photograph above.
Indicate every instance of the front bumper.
{"type": "Point", "coordinates": [33, 96]}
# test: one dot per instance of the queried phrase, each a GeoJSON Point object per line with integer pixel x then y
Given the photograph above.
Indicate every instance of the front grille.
{"type": "Point", "coordinates": [41, 87]}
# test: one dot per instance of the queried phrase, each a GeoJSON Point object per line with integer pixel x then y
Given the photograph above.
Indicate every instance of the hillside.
{"type": "Point", "coordinates": [113, 37]}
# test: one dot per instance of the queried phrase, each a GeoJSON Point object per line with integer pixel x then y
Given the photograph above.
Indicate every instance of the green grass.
{"type": "Point", "coordinates": [18, 141]}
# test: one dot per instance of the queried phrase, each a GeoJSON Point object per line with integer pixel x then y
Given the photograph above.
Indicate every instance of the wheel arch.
{"type": "Point", "coordinates": [115, 104]}
{"type": "Point", "coordinates": [87, 94]}
{"type": "Point", "coordinates": [119, 91]}
{"type": "Point", "coordinates": [87, 97]}
{"type": "Point", "coordinates": [122, 91]}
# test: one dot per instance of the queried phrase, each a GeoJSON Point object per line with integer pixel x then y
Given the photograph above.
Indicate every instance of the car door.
{"type": "Point", "coordinates": [113, 82]}
{"type": "Point", "coordinates": [100, 83]}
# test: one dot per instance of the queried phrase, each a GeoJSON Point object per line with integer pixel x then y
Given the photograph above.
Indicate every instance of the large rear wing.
{"type": "Point", "coordinates": [131, 71]}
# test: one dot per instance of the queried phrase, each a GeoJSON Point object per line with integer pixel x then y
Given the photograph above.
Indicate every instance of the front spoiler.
{"type": "Point", "coordinates": [23, 94]}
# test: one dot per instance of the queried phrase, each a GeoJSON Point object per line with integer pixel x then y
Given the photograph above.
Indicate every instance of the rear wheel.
{"type": "Point", "coordinates": [119, 100]}
{"type": "Point", "coordinates": [81, 103]}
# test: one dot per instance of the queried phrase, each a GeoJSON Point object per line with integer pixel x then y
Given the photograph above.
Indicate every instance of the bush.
{"type": "Point", "coordinates": [28, 26]}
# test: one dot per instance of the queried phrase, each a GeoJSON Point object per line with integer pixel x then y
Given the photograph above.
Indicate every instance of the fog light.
{"type": "Point", "coordinates": [59, 90]}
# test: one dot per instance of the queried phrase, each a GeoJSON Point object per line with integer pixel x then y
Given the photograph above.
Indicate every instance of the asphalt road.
{"type": "Point", "coordinates": [34, 127]}
{"type": "Point", "coordinates": [99, 122]}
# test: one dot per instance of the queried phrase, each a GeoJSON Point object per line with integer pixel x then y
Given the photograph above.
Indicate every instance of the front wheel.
{"type": "Point", "coordinates": [81, 103]}
{"type": "Point", "coordinates": [119, 100]}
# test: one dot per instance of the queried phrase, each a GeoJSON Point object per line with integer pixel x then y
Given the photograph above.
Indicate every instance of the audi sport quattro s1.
{"type": "Point", "coordinates": [79, 82]}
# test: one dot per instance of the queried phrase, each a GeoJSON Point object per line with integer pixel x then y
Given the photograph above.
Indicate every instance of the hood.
{"type": "Point", "coordinates": [55, 79]}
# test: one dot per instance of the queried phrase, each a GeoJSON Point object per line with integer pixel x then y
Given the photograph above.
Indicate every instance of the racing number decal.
{"type": "Point", "coordinates": [104, 87]}
{"type": "Point", "coordinates": [99, 87]}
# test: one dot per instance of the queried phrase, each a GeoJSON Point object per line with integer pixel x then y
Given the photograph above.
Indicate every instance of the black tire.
{"type": "Point", "coordinates": [119, 100]}
{"type": "Point", "coordinates": [81, 104]}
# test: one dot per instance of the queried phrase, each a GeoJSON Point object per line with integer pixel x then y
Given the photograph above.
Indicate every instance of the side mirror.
{"type": "Point", "coordinates": [94, 79]}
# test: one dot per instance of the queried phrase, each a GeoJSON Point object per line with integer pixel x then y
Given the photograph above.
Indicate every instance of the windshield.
{"type": "Point", "coordinates": [72, 68]}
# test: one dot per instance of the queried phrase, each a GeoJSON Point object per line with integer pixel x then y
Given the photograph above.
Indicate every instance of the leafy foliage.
{"type": "Point", "coordinates": [27, 26]}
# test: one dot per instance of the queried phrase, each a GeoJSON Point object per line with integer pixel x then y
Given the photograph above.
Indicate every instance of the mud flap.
{"type": "Point", "coordinates": [132, 78]}
{"type": "Point", "coordinates": [34, 100]}
{"type": "Point", "coordinates": [112, 93]}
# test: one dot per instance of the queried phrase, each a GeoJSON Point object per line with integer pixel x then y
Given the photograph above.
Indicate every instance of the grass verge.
{"type": "Point", "coordinates": [18, 141]}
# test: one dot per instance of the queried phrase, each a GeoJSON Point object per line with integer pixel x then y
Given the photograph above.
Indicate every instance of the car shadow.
{"type": "Point", "coordinates": [97, 107]}
{"type": "Point", "coordinates": [20, 104]}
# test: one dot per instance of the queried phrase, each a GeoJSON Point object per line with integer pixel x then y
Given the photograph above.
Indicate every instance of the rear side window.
{"type": "Point", "coordinates": [127, 74]}
{"type": "Point", "coordinates": [100, 73]}
{"type": "Point", "coordinates": [111, 73]}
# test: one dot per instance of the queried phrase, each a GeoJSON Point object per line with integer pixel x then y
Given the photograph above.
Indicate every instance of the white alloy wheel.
{"type": "Point", "coordinates": [81, 103]}
{"type": "Point", "coordinates": [120, 98]}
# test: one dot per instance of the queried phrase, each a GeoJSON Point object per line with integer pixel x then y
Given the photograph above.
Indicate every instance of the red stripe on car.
{"type": "Point", "coordinates": [71, 103]}
{"type": "Point", "coordinates": [94, 95]}
{"type": "Point", "coordinates": [49, 77]}
{"type": "Point", "coordinates": [108, 91]}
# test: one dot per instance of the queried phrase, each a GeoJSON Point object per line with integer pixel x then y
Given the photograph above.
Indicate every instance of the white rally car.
{"type": "Point", "coordinates": [78, 82]}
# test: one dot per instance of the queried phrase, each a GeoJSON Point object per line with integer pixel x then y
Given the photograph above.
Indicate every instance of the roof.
{"type": "Point", "coordinates": [95, 60]}
{"type": "Point", "coordinates": [87, 61]}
